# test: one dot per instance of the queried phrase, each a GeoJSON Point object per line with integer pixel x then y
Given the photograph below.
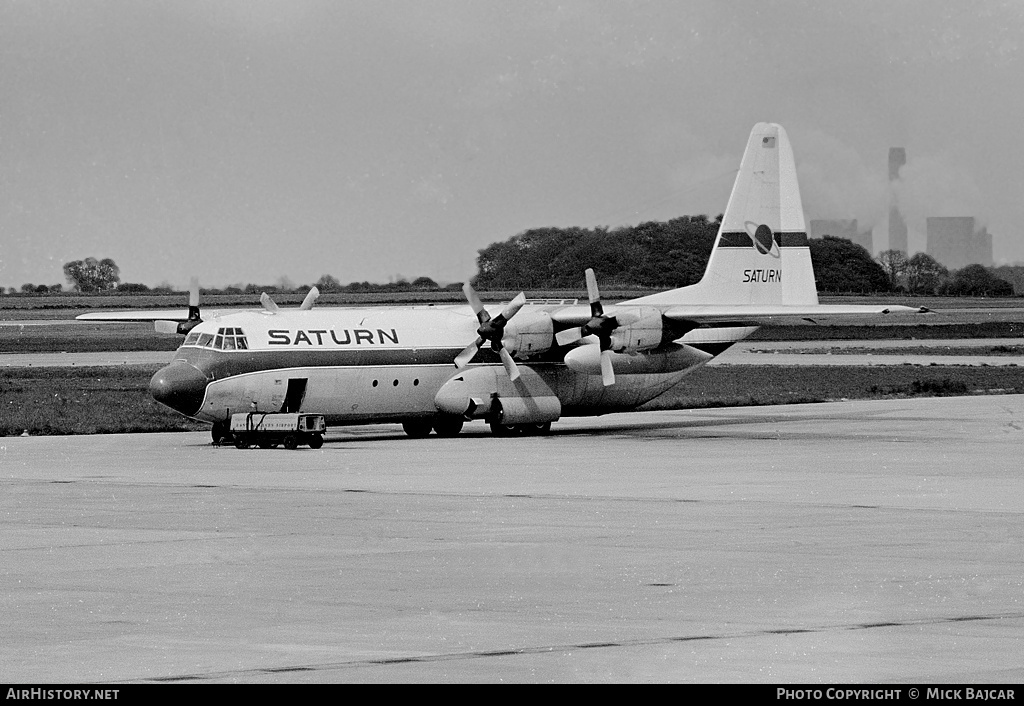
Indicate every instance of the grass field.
{"type": "Point", "coordinates": [58, 401]}
{"type": "Point", "coordinates": [83, 400]}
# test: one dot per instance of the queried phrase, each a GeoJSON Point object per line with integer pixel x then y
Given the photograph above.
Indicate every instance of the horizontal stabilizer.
{"type": "Point", "coordinates": [776, 314]}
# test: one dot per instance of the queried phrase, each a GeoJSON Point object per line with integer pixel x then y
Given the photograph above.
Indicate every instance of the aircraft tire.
{"type": "Point", "coordinates": [505, 430]}
{"type": "Point", "coordinates": [448, 426]}
{"type": "Point", "coordinates": [417, 428]}
{"type": "Point", "coordinates": [291, 442]}
{"type": "Point", "coordinates": [316, 441]}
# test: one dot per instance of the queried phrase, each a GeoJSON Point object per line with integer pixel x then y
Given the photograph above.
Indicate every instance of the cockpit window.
{"type": "Point", "coordinates": [226, 339]}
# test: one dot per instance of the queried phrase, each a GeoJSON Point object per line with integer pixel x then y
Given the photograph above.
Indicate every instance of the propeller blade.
{"type": "Point", "coordinates": [268, 303]}
{"type": "Point", "coordinates": [596, 309]}
{"type": "Point", "coordinates": [514, 306]}
{"type": "Point", "coordinates": [165, 326]}
{"type": "Point", "coordinates": [510, 365]}
{"type": "Point", "coordinates": [475, 303]}
{"type": "Point", "coordinates": [568, 336]}
{"type": "Point", "coordinates": [468, 353]}
{"type": "Point", "coordinates": [607, 372]}
{"type": "Point", "coordinates": [310, 299]}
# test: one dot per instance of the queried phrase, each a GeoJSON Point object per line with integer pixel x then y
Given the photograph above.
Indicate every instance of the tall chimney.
{"type": "Point", "coordinates": [897, 226]}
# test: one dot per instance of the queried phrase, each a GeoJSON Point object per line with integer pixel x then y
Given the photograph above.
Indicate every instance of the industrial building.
{"type": "Point", "coordinates": [955, 243]}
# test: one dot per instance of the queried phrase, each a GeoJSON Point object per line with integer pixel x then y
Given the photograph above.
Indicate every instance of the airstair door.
{"type": "Point", "coordinates": [293, 397]}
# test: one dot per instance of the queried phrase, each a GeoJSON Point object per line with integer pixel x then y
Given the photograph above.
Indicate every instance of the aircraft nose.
{"type": "Point", "coordinates": [180, 386]}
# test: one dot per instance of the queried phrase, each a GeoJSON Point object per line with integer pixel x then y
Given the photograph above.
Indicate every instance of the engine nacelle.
{"type": "Point", "coordinates": [528, 333]}
{"type": "Point", "coordinates": [586, 359]}
{"type": "Point", "coordinates": [486, 393]}
{"type": "Point", "coordinates": [643, 331]}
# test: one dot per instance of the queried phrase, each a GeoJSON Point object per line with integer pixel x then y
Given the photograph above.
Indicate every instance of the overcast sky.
{"type": "Point", "coordinates": [246, 140]}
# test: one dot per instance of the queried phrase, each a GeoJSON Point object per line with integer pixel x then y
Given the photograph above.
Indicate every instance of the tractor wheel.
{"type": "Point", "coordinates": [220, 433]}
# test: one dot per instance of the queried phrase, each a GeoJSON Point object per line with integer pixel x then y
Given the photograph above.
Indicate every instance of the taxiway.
{"type": "Point", "coordinates": [868, 541]}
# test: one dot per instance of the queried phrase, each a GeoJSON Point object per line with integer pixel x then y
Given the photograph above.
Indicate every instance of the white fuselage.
{"type": "Point", "coordinates": [389, 363]}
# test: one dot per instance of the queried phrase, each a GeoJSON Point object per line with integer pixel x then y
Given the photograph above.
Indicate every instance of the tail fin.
{"type": "Point", "coordinates": [760, 255]}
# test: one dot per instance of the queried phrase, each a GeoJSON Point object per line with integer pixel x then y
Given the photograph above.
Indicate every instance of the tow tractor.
{"type": "Point", "coordinates": [267, 430]}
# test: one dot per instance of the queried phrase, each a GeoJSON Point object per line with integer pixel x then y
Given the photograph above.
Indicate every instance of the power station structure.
{"type": "Point", "coordinates": [952, 241]}
{"type": "Point", "coordinates": [955, 243]}
{"type": "Point", "coordinates": [897, 226]}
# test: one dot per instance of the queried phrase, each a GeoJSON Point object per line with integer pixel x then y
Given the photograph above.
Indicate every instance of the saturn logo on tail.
{"type": "Point", "coordinates": [762, 238]}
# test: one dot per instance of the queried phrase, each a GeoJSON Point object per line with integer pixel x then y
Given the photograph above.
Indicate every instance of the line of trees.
{"type": "Point", "coordinates": [921, 274]}
{"type": "Point", "coordinates": [675, 254]}
{"type": "Point", "coordinates": [651, 255]}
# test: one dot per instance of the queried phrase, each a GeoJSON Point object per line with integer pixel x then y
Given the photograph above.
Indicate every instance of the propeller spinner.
{"type": "Point", "coordinates": [490, 329]}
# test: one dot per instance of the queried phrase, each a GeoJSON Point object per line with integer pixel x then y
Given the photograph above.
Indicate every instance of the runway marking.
{"type": "Point", "coordinates": [549, 649]}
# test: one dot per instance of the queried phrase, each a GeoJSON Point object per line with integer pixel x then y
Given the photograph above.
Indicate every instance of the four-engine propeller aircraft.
{"type": "Point", "coordinates": [525, 365]}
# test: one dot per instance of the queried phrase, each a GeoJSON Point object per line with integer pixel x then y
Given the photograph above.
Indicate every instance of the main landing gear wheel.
{"type": "Point", "coordinates": [538, 429]}
{"type": "Point", "coordinates": [535, 429]}
{"type": "Point", "coordinates": [448, 426]}
{"type": "Point", "coordinates": [417, 428]}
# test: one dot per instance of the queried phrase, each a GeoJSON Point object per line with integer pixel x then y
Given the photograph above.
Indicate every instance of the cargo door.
{"type": "Point", "coordinates": [294, 395]}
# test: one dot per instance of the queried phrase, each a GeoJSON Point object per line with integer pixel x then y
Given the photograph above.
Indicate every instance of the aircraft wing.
{"type": "Point", "coordinates": [149, 315]}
